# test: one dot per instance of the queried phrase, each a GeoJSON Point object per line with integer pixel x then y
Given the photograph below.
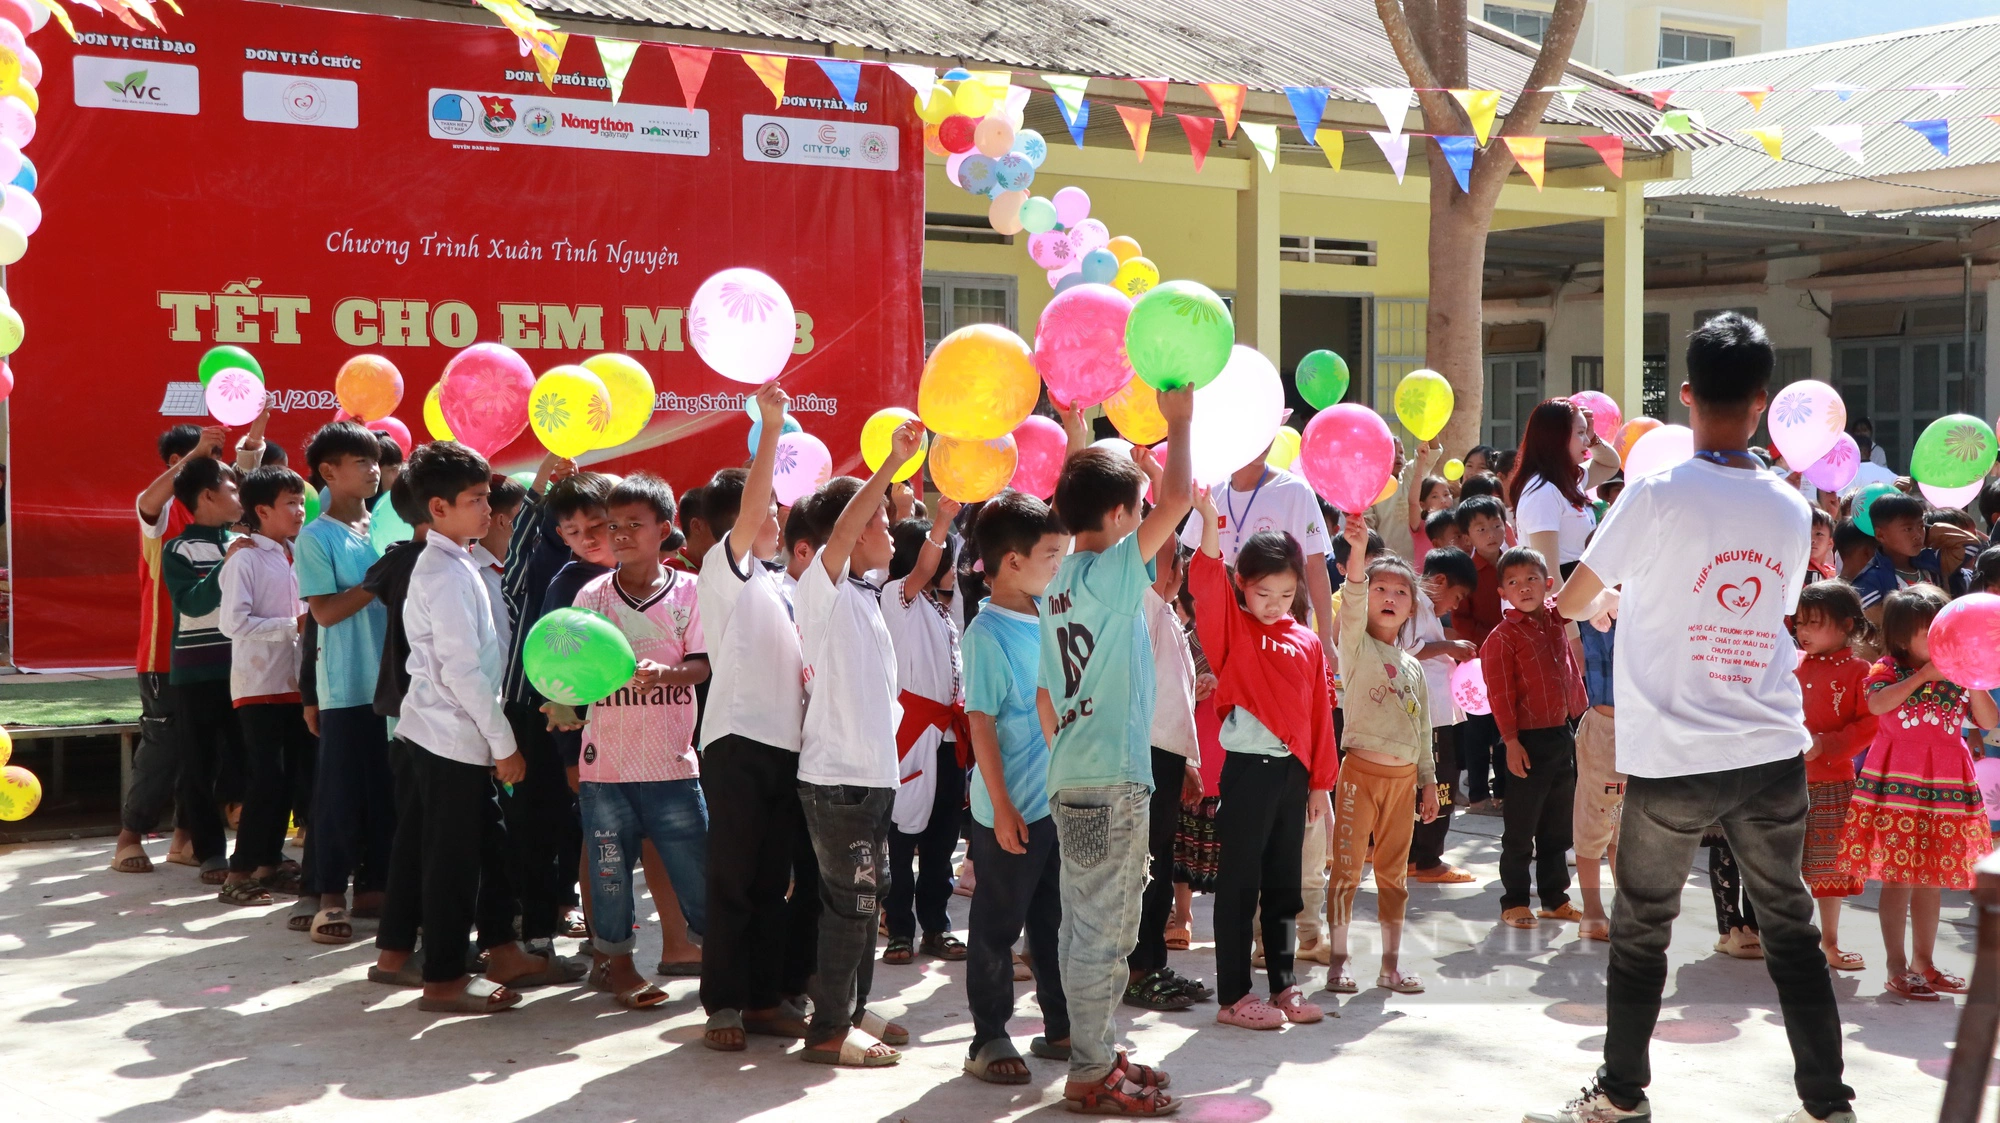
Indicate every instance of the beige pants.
{"type": "Point", "coordinates": [1600, 787]}
{"type": "Point", "coordinates": [1372, 800]}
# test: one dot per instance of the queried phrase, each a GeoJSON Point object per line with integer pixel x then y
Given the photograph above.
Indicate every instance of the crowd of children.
{"type": "Point", "coordinates": [1116, 702]}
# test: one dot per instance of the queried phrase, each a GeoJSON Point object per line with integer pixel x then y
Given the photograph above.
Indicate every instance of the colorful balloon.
{"type": "Point", "coordinates": [877, 441]}
{"type": "Point", "coordinates": [971, 471]}
{"type": "Point", "coordinates": [434, 422]}
{"type": "Point", "coordinates": [1072, 204]}
{"type": "Point", "coordinates": [756, 437]}
{"type": "Point", "coordinates": [1080, 344]}
{"type": "Point", "coordinates": [1605, 416]}
{"type": "Point", "coordinates": [1038, 215]}
{"type": "Point", "coordinates": [485, 397]}
{"type": "Point", "coordinates": [1100, 266]}
{"type": "Point", "coordinates": [1135, 412]}
{"type": "Point", "coordinates": [1284, 448]}
{"type": "Point", "coordinates": [1135, 275]}
{"type": "Point", "coordinates": [6, 380]}
{"type": "Point", "coordinates": [1864, 502]}
{"type": "Point", "coordinates": [1345, 454]}
{"type": "Point", "coordinates": [13, 241]}
{"type": "Point", "coordinates": [1124, 248]}
{"type": "Point", "coordinates": [1835, 470]}
{"type": "Point", "coordinates": [803, 463]}
{"type": "Point", "coordinates": [1030, 144]}
{"type": "Point", "coordinates": [742, 325]}
{"type": "Point", "coordinates": [1321, 378]}
{"type": "Point", "coordinates": [1180, 334]}
{"type": "Point", "coordinates": [993, 136]}
{"type": "Point", "coordinates": [935, 108]}
{"type": "Point", "coordinates": [979, 174]}
{"type": "Point", "coordinates": [955, 133]}
{"type": "Point", "coordinates": [234, 396]}
{"type": "Point", "coordinates": [1953, 451]}
{"type": "Point", "coordinates": [1468, 688]}
{"type": "Point", "coordinates": [1946, 498]}
{"type": "Point", "coordinates": [1388, 491]}
{"type": "Point", "coordinates": [386, 528]}
{"type": "Point", "coordinates": [312, 505]}
{"type": "Point", "coordinates": [1423, 403]}
{"type": "Point", "coordinates": [19, 204]}
{"type": "Point", "coordinates": [979, 384]}
{"type": "Point", "coordinates": [1965, 641]}
{"type": "Point", "coordinates": [1806, 418]}
{"type": "Point", "coordinates": [1040, 447]}
{"type": "Point", "coordinates": [20, 793]}
{"type": "Point", "coordinates": [1454, 469]}
{"type": "Point", "coordinates": [397, 431]}
{"type": "Point", "coordinates": [1629, 434]}
{"type": "Point", "coordinates": [1660, 449]}
{"type": "Point", "coordinates": [1005, 212]}
{"type": "Point", "coordinates": [1235, 416]}
{"type": "Point", "coordinates": [973, 98]}
{"type": "Point", "coordinates": [576, 657]}
{"type": "Point", "coordinates": [1051, 249]}
{"type": "Point", "coordinates": [218, 359]}
{"type": "Point", "coordinates": [569, 410]}
{"type": "Point", "coordinates": [369, 387]}
{"type": "Point", "coordinates": [26, 177]}
{"type": "Point", "coordinates": [632, 396]}
{"type": "Point", "coordinates": [17, 121]}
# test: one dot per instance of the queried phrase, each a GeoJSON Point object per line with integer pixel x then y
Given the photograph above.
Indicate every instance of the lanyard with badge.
{"type": "Point", "coordinates": [1229, 507]}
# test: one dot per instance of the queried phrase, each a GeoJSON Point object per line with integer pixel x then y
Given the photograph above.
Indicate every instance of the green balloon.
{"type": "Point", "coordinates": [576, 657]}
{"type": "Point", "coordinates": [1322, 379]}
{"type": "Point", "coordinates": [219, 359]}
{"type": "Point", "coordinates": [1038, 215]}
{"type": "Point", "coordinates": [1954, 451]}
{"type": "Point", "coordinates": [386, 527]}
{"type": "Point", "coordinates": [525, 477]}
{"type": "Point", "coordinates": [1865, 498]}
{"type": "Point", "coordinates": [312, 503]}
{"type": "Point", "coordinates": [1179, 334]}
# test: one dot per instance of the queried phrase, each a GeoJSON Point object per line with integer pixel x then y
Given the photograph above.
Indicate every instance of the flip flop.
{"type": "Point", "coordinates": [1043, 1048]}
{"type": "Point", "coordinates": [785, 1025]}
{"type": "Point", "coordinates": [1178, 938]}
{"type": "Point", "coordinates": [480, 996]}
{"type": "Point", "coordinates": [559, 971]}
{"type": "Point", "coordinates": [1846, 960]}
{"type": "Point", "coordinates": [645, 996]}
{"type": "Point", "coordinates": [131, 859]}
{"type": "Point", "coordinates": [720, 1020]}
{"type": "Point", "coordinates": [215, 871]}
{"type": "Point", "coordinates": [877, 1026]}
{"type": "Point", "coordinates": [410, 974]}
{"type": "Point", "coordinates": [980, 1064]}
{"type": "Point", "coordinates": [303, 911]}
{"type": "Point", "coordinates": [1519, 917]}
{"type": "Point", "coordinates": [243, 893]}
{"type": "Point", "coordinates": [855, 1052]}
{"type": "Point", "coordinates": [685, 969]}
{"type": "Point", "coordinates": [325, 920]}
{"type": "Point", "coordinates": [1443, 875]}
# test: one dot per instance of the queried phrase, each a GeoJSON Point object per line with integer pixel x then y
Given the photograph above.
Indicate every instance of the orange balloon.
{"type": "Point", "coordinates": [1388, 489]}
{"type": "Point", "coordinates": [931, 142]}
{"type": "Point", "coordinates": [1135, 411]}
{"type": "Point", "coordinates": [1124, 248]}
{"type": "Point", "coordinates": [1630, 434]}
{"type": "Point", "coordinates": [369, 387]}
{"type": "Point", "coordinates": [972, 471]}
{"type": "Point", "coordinates": [979, 384]}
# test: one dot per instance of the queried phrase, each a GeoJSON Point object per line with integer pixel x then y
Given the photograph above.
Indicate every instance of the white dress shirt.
{"type": "Point", "coordinates": [456, 660]}
{"type": "Point", "coordinates": [490, 570]}
{"type": "Point", "coordinates": [260, 615]}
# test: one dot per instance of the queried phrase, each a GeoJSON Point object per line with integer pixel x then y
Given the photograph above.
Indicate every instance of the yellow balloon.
{"type": "Point", "coordinates": [6, 747]}
{"type": "Point", "coordinates": [936, 107]}
{"type": "Point", "coordinates": [10, 69]}
{"type": "Point", "coordinates": [1388, 490]}
{"type": "Point", "coordinates": [979, 384]}
{"type": "Point", "coordinates": [972, 471]}
{"type": "Point", "coordinates": [434, 415]}
{"type": "Point", "coordinates": [1124, 248]}
{"type": "Point", "coordinates": [1454, 468]}
{"type": "Point", "coordinates": [569, 410]}
{"type": "Point", "coordinates": [1423, 403]}
{"type": "Point", "coordinates": [876, 434]}
{"type": "Point", "coordinates": [25, 92]}
{"type": "Point", "coordinates": [1284, 448]}
{"type": "Point", "coordinates": [631, 390]}
{"type": "Point", "coordinates": [1135, 276]}
{"type": "Point", "coordinates": [974, 98]}
{"type": "Point", "coordinates": [20, 793]}
{"type": "Point", "coordinates": [1135, 412]}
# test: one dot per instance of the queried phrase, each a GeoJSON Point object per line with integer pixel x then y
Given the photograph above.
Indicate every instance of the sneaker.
{"type": "Point", "coordinates": [1593, 1106]}
{"type": "Point", "coordinates": [1804, 1116]}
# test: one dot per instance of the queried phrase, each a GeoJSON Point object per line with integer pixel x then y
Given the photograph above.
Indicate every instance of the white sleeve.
{"type": "Point", "coordinates": [455, 615]}
{"type": "Point", "coordinates": [157, 528]}
{"type": "Point", "coordinates": [237, 621]}
{"type": "Point", "coordinates": [1312, 520]}
{"type": "Point", "coordinates": [1623, 538]}
{"type": "Point", "coordinates": [1540, 510]}
{"type": "Point", "coordinates": [812, 603]}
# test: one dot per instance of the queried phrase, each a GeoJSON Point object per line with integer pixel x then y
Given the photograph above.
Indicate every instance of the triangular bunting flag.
{"type": "Point", "coordinates": [1610, 149]}
{"type": "Point", "coordinates": [1076, 120]}
{"type": "Point", "coordinates": [515, 16]}
{"type": "Point", "coordinates": [1395, 149]}
{"type": "Point", "coordinates": [1847, 138]}
{"type": "Point", "coordinates": [1139, 123]}
{"type": "Point", "coordinates": [1755, 95]}
{"type": "Point", "coordinates": [1480, 106]}
{"type": "Point", "coordinates": [1531, 152]}
{"type": "Point", "coordinates": [549, 56]}
{"type": "Point", "coordinates": [921, 79]}
{"type": "Point", "coordinates": [1229, 99]}
{"type": "Point", "coordinates": [691, 64]}
{"type": "Point", "coordinates": [1069, 93]}
{"type": "Point", "coordinates": [1675, 121]}
{"type": "Point", "coordinates": [1993, 117]}
{"type": "Point", "coordinates": [845, 74]}
{"type": "Point", "coordinates": [1772, 138]}
{"type": "Point", "coordinates": [1937, 131]}
{"type": "Point", "coordinates": [1333, 142]}
{"type": "Point", "coordinates": [1458, 154]}
{"type": "Point", "coordinates": [1839, 89]}
{"type": "Point", "coordinates": [1308, 105]}
{"type": "Point", "coordinates": [1394, 103]}
{"type": "Point", "coordinates": [1017, 105]}
{"type": "Point", "coordinates": [62, 17]}
{"type": "Point", "coordinates": [1156, 92]}
{"type": "Point", "coordinates": [1569, 95]}
{"type": "Point", "coordinates": [617, 56]}
{"type": "Point", "coordinates": [1941, 89]}
{"type": "Point", "coordinates": [1200, 134]}
{"type": "Point", "coordinates": [1264, 138]}
{"type": "Point", "coordinates": [998, 81]}
{"type": "Point", "coordinates": [770, 69]}
{"type": "Point", "coordinates": [1659, 97]}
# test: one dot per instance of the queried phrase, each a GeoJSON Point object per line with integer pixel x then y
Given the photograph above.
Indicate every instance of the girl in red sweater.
{"type": "Point", "coordinates": [1828, 621]}
{"type": "Point", "coordinates": [1279, 764]}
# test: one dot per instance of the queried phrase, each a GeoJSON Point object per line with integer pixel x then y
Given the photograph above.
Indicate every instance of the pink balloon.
{"type": "Point", "coordinates": [1950, 497]}
{"type": "Point", "coordinates": [1836, 469]}
{"type": "Point", "coordinates": [1659, 450]}
{"type": "Point", "coordinates": [16, 12]}
{"type": "Point", "coordinates": [396, 429]}
{"type": "Point", "coordinates": [1468, 688]}
{"type": "Point", "coordinates": [31, 66]}
{"type": "Point", "coordinates": [234, 396]}
{"type": "Point", "coordinates": [1072, 205]}
{"type": "Point", "coordinates": [17, 121]}
{"type": "Point", "coordinates": [743, 326]}
{"type": "Point", "coordinates": [1605, 416]}
{"type": "Point", "coordinates": [1806, 418]}
{"type": "Point", "coordinates": [12, 37]}
{"type": "Point", "coordinates": [1051, 249]}
{"type": "Point", "coordinates": [1965, 641]}
{"type": "Point", "coordinates": [951, 164]}
{"type": "Point", "coordinates": [1088, 235]}
{"type": "Point", "coordinates": [1346, 454]}
{"type": "Point", "coordinates": [485, 396]}
{"type": "Point", "coordinates": [803, 463]}
{"type": "Point", "coordinates": [6, 380]}
{"type": "Point", "coordinates": [1160, 458]}
{"type": "Point", "coordinates": [1080, 345]}
{"type": "Point", "coordinates": [17, 203]}
{"type": "Point", "coordinates": [1040, 447]}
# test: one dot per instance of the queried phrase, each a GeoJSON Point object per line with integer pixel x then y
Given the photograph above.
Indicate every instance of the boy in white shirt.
{"type": "Point", "coordinates": [847, 759]}
{"type": "Point", "coordinates": [260, 615]}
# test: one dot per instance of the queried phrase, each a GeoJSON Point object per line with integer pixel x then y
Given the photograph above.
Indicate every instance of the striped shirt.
{"type": "Point", "coordinates": [189, 569]}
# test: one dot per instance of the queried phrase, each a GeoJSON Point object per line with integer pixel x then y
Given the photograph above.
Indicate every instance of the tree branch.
{"type": "Point", "coordinates": [1422, 15]}
{"type": "Point", "coordinates": [1449, 62]}
{"type": "Point", "coordinates": [1490, 172]}
{"type": "Point", "coordinates": [1416, 67]}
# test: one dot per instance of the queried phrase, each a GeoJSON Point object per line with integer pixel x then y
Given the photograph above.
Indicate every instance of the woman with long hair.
{"type": "Point", "coordinates": [1547, 487]}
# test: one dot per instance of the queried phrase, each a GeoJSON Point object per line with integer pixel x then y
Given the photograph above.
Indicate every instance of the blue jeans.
{"type": "Point", "coordinates": [616, 818]}
{"type": "Point", "coordinates": [1101, 833]}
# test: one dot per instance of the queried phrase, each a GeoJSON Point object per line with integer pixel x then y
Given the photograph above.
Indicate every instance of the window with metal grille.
{"type": "Point", "coordinates": [1525, 22]}
{"type": "Point", "coordinates": [1325, 251]}
{"type": "Point", "coordinates": [1399, 349]}
{"type": "Point", "coordinates": [1586, 372]}
{"type": "Point", "coordinates": [955, 300]}
{"type": "Point", "coordinates": [1678, 48]}
{"type": "Point", "coordinates": [1653, 365]}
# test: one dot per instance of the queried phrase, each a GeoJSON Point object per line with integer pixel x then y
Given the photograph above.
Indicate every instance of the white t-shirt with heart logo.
{"type": "Point", "coordinates": [1712, 560]}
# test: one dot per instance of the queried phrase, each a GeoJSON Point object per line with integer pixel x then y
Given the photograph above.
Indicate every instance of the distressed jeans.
{"type": "Point", "coordinates": [617, 818]}
{"type": "Point", "coordinates": [1101, 833]}
{"type": "Point", "coordinates": [849, 828]}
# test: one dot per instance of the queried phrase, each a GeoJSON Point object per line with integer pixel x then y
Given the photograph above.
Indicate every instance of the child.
{"type": "Point", "coordinates": [1482, 520]}
{"type": "Point", "coordinates": [916, 607]}
{"type": "Point", "coordinates": [1277, 726]}
{"type": "Point", "coordinates": [210, 740]}
{"type": "Point", "coordinates": [1013, 840]}
{"type": "Point", "coordinates": [1449, 578]}
{"type": "Point", "coordinates": [1441, 531]}
{"type": "Point", "coordinates": [490, 552]}
{"type": "Point", "coordinates": [1386, 734]}
{"type": "Point", "coordinates": [1916, 822]}
{"type": "Point", "coordinates": [1900, 557]}
{"type": "Point", "coordinates": [639, 776]}
{"type": "Point", "coordinates": [260, 614]}
{"type": "Point", "coordinates": [1532, 682]}
{"type": "Point", "coordinates": [1832, 678]}
{"type": "Point", "coordinates": [847, 757]}
{"type": "Point", "coordinates": [353, 813]}
{"type": "Point", "coordinates": [1822, 565]}
{"type": "Point", "coordinates": [1095, 696]}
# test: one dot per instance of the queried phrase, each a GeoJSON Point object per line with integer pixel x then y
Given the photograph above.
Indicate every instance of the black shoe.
{"type": "Point", "coordinates": [1158, 991]}
{"type": "Point", "coordinates": [1200, 991]}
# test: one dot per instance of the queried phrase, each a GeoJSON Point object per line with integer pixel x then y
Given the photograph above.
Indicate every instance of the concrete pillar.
{"type": "Point", "coordinates": [1625, 299]}
{"type": "Point", "coordinates": [1257, 229]}
{"type": "Point", "coordinates": [1992, 342]}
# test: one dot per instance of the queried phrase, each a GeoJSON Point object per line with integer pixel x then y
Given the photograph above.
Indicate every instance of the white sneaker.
{"type": "Point", "coordinates": [1592, 1106]}
{"type": "Point", "coordinates": [1804, 1116]}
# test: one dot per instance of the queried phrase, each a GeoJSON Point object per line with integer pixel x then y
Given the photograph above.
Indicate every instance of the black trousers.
{"type": "Point", "coordinates": [275, 747]}
{"type": "Point", "coordinates": [210, 738]}
{"type": "Point", "coordinates": [1014, 891]}
{"type": "Point", "coordinates": [403, 902]}
{"type": "Point", "coordinates": [755, 835]}
{"type": "Point", "coordinates": [1733, 906]}
{"type": "Point", "coordinates": [354, 810]}
{"type": "Point", "coordinates": [1481, 752]}
{"type": "Point", "coordinates": [460, 847]}
{"type": "Point", "coordinates": [539, 814]}
{"type": "Point", "coordinates": [928, 885]}
{"type": "Point", "coordinates": [1164, 818]}
{"type": "Point", "coordinates": [1538, 820]}
{"type": "Point", "coordinates": [1261, 826]}
{"type": "Point", "coordinates": [156, 760]}
{"type": "Point", "coordinates": [1428, 839]}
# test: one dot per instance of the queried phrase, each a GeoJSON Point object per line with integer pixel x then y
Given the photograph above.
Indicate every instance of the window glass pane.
{"type": "Point", "coordinates": [1653, 386]}
{"type": "Point", "coordinates": [977, 306]}
{"type": "Point", "coordinates": [933, 316]}
{"type": "Point", "coordinates": [1924, 383]}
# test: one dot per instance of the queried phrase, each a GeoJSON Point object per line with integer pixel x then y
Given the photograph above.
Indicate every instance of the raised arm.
{"type": "Point", "coordinates": [756, 506]}
{"type": "Point", "coordinates": [860, 509]}
{"type": "Point", "coordinates": [1604, 462]}
{"type": "Point", "coordinates": [1413, 484]}
{"type": "Point", "coordinates": [921, 574]}
{"type": "Point", "coordinates": [1074, 427]}
{"type": "Point", "coordinates": [1175, 494]}
{"type": "Point", "coordinates": [157, 494]}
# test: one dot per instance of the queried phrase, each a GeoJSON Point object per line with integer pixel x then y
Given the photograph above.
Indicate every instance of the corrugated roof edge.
{"type": "Point", "coordinates": [1817, 48]}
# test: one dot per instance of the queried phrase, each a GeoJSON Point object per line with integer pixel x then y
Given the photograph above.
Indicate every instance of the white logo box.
{"type": "Point", "coordinates": [141, 84]}
{"type": "Point", "coordinates": [557, 122]}
{"type": "Point", "coordinates": [301, 99]}
{"type": "Point", "coordinates": [820, 143]}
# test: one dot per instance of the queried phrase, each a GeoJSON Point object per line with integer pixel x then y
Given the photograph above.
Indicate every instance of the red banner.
{"type": "Point", "coordinates": [312, 185]}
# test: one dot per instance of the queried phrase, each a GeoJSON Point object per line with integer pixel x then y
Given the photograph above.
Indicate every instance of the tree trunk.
{"type": "Point", "coordinates": [1452, 341]}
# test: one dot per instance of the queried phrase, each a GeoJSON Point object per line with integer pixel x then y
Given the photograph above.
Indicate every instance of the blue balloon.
{"type": "Point", "coordinates": [757, 431]}
{"type": "Point", "coordinates": [955, 74]}
{"type": "Point", "coordinates": [26, 178]}
{"type": "Point", "coordinates": [978, 173]}
{"type": "Point", "coordinates": [1069, 281]}
{"type": "Point", "coordinates": [1014, 172]}
{"type": "Point", "coordinates": [1099, 266]}
{"type": "Point", "coordinates": [1029, 143]}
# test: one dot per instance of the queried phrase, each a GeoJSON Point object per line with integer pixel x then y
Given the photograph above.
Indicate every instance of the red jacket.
{"type": "Point", "coordinates": [1531, 676]}
{"type": "Point", "coordinates": [1483, 608]}
{"type": "Point", "coordinates": [1836, 706]}
{"type": "Point", "coordinates": [1278, 671]}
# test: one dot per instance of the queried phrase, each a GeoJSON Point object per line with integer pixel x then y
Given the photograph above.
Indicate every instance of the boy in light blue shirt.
{"type": "Point", "coordinates": [1096, 704]}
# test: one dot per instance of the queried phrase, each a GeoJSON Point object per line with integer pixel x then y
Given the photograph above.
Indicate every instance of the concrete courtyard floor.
{"type": "Point", "coordinates": [141, 999]}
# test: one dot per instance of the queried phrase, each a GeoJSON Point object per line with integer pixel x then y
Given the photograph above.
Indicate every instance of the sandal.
{"type": "Point", "coordinates": [642, 997]}
{"type": "Point", "coordinates": [1155, 991]}
{"type": "Point", "coordinates": [788, 1024]}
{"type": "Point", "coordinates": [559, 970]}
{"type": "Point", "coordinates": [997, 1051]}
{"type": "Point", "coordinates": [1912, 986]}
{"type": "Point", "coordinates": [1341, 981]}
{"type": "Point", "coordinates": [899, 952]}
{"type": "Point", "coordinates": [1048, 1050]}
{"type": "Point", "coordinates": [1566, 911]}
{"type": "Point", "coordinates": [680, 969]}
{"type": "Point", "coordinates": [331, 926]}
{"type": "Point", "coordinates": [1944, 982]}
{"type": "Point", "coordinates": [943, 945]}
{"type": "Point", "coordinates": [215, 871]}
{"type": "Point", "coordinates": [1201, 991]}
{"type": "Point", "coordinates": [1400, 982]}
{"type": "Point", "coordinates": [1518, 917]}
{"type": "Point", "coordinates": [722, 1021]}
{"type": "Point", "coordinates": [880, 1028]}
{"type": "Point", "coordinates": [243, 893]}
{"type": "Point", "coordinates": [1109, 1097]}
{"type": "Point", "coordinates": [1296, 1009]}
{"type": "Point", "coordinates": [573, 925]}
{"type": "Point", "coordinates": [303, 911]}
{"type": "Point", "coordinates": [859, 1049]}
{"type": "Point", "coordinates": [1250, 1012]}
{"type": "Point", "coordinates": [131, 859]}
{"type": "Point", "coordinates": [480, 996]}
{"type": "Point", "coordinates": [286, 877]}
{"type": "Point", "coordinates": [181, 857]}
{"type": "Point", "coordinates": [1443, 875]}
{"type": "Point", "coordinates": [1145, 1076]}
{"type": "Point", "coordinates": [1845, 960]}
{"type": "Point", "coordinates": [1178, 938]}
{"type": "Point", "coordinates": [410, 974]}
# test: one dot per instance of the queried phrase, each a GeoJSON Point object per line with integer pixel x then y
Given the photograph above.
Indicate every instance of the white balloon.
{"type": "Point", "coordinates": [16, 203]}
{"type": "Point", "coordinates": [38, 17]}
{"type": "Point", "coordinates": [1235, 416]}
{"type": "Point", "coordinates": [13, 241]}
{"type": "Point", "coordinates": [740, 322]}
{"type": "Point", "coordinates": [1659, 450]}
{"type": "Point", "coordinates": [1118, 445]}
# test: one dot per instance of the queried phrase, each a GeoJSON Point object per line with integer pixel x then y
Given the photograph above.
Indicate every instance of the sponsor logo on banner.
{"type": "Point", "coordinates": [149, 87]}
{"type": "Point", "coordinates": [832, 144]}
{"type": "Point", "coordinates": [293, 99]}
{"type": "Point", "coordinates": [571, 123]}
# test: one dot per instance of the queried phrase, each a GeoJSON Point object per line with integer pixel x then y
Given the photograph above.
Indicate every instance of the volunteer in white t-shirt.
{"type": "Point", "coordinates": [1551, 512]}
{"type": "Point", "coordinates": [1260, 497]}
{"type": "Point", "coordinates": [1711, 555]}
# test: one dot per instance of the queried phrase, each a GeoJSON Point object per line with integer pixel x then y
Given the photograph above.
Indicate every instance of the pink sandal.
{"type": "Point", "coordinates": [1295, 1008]}
{"type": "Point", "coordinates": [1250, 1012]}
{"type": "Point", "coordinates": [1944, 982]}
